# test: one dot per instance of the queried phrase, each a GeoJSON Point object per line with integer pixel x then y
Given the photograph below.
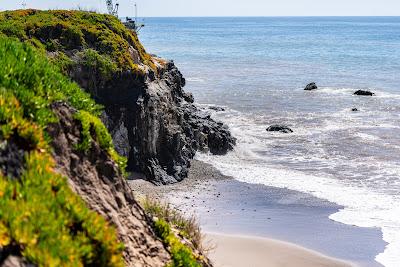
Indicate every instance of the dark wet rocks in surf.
{"type": "Point", "coordinates": [354, 109]}
{"type": "Point", "coordinates": [311, 86]}
{"type": "Point", "coordinates": [279, 128]}
{"type": "Point", "coordinates": [364, 93]}
{"type": "Point", "coordinates": [216, 108]}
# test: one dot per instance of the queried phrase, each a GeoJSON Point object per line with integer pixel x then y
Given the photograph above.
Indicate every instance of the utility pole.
{"type": "Point", "coordinates": [136, 13]}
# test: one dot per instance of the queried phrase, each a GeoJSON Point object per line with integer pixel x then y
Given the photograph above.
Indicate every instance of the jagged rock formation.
{"type": "Point", "coordinates": [153, 122]}
{"type": "Point", "coordinates": [364, 93]}
{"type": "Point", "coordinates": [96, 179]}
{"type": "Point", "coordinates": [311, 86]}
{"type": "Point", "coordinates": [156, 125]}
{"type": "Point", "coordinates": [279, 128]}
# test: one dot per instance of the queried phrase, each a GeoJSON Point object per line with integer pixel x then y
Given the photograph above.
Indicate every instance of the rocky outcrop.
{"type": "Point", "coordinates": [11, 158]}
{"type": "Point", "coordinates": [155, 124]}
{"type": "Point", "coordinates": [152, 120]}
{"type": "Point", "coordinates": [216, 108]}
{"type": "Point", "coordinates": [364, 93]}
{"type": "Point", "coordinates": [97, 180]}
{"type": "Point", "coordinates": [311, 86]}
{"type": "Point", "coordinates": [279, 128]}
{"type": "Point", "coordinates": [15, 261]}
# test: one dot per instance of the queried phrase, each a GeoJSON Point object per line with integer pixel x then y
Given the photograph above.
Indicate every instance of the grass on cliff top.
{"type": "Point", "coordinates": [37, 84]}
{"type": "Point", "coordinates": [67, 31]}
{"type": "Point", "coordinates": [40, 216]}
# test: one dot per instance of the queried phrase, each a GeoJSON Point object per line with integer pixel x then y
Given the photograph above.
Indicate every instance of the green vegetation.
{"type": "Point", "coordinates": [37, 84]}
{"type": "Point", "coordinates": [40, 216]}
{"type": "Point", "coordinates": [166, 219]}
{"type": "Point", "coordinates": [100, 64]}
{"type": "Point", "coordinates": [66, 31]}
{"type": "Point", "coordinates": [187, 227]}
{"type": "Point", "coordinates": [92, 125]}
{"type": "Point", "coordinates": [182, 256]}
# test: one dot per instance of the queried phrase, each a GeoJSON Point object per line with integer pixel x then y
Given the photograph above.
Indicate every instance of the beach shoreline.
{"type": "Point", "coordinates": [229, 210]}
{"type": "Point", "coordinates": [237, 251]}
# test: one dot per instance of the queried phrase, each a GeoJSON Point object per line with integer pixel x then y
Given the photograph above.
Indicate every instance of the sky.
{"type": "Point", "coordinates": [189, 8]}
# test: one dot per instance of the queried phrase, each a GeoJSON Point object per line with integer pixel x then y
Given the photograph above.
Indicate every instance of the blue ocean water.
{"type": "Point", "coordinates": [257, 68]}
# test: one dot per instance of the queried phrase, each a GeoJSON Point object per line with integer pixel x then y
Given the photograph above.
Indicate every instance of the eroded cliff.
{"type": "Point", "coordinates": [63, 198]}
{"type": "Point", "coordinates": [153, 122]}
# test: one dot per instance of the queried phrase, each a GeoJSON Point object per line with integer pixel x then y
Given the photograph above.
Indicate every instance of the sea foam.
{"type": "Point", "coordinates": [363, 206]}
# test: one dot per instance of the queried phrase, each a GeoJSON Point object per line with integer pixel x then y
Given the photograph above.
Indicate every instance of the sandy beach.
{"type": "Point", "coordinates": [239, 251]}
{"type": "Point", "coordinates": [253, 225]}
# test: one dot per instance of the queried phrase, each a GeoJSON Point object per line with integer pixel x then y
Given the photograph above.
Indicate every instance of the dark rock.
{"type": "Point", "coordinates": [216, 108]}
{"type": "Point", "coordinates": [311, 86]}
{"type": "Point", "coordinates": [188, 97]}
{"type": "Point", "coordinates": [11, 158]}
{"type": "Point", "coordinates": [154, 122]}
{"type": "Point", "coordinates": [364, 93]}
{"type": "Point", "coordinates": [354, 109]}
{"type": "Point", "coordinates": [279, 128]}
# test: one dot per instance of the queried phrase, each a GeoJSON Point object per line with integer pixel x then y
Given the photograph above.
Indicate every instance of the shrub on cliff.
{"type": "Point", "coordinates": [181, 235]}
{"type": "Point", "coordinates": [41, 218]}
{"type": "Point", "coordinates": [64, 33]}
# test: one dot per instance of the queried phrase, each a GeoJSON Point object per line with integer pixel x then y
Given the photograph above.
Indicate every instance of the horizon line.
{"type": "Point", "coordinates": [273, 16]}
{"type": "Point", "coordinates": [226, 16]}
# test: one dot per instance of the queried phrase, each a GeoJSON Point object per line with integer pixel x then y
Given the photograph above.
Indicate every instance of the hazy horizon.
{"type": "Point", "coordinates": [225, 8]}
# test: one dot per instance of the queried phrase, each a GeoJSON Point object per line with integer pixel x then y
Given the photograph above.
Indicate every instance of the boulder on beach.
{"type": "Point", "coordinates": [279, 128]}
{"type": "Point", "coordinates": [364, 93]}
{"type": "Point", "coordinates": [311, 86]}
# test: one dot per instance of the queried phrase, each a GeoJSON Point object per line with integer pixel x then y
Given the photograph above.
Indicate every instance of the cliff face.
{"type": "Point", "coordinates": [63, 199]}
{"type": "Point", "coordinates": [95, 177]}
{"type": "Point", "coordinates": [152, 120]}
{"type": "Point", "coordinates": [42, 220]}
{"type": "Point", "coordinates": [59, 168]}
{"type": "Point", "coordinates": [155, 124]}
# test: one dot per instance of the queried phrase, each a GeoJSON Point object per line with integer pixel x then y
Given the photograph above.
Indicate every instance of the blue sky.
{"type": "Point", "coordinates": [167, 8]}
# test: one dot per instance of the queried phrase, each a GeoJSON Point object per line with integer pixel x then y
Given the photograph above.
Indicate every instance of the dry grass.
{"type": "Point", "coordinates": [186, 227]}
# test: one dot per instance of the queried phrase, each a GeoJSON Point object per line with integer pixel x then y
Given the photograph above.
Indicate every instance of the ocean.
{"type": "Point", "coordinates": [257, 69]}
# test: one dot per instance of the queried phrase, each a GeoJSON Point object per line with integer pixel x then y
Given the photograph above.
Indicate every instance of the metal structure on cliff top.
{"type": "Point", "coordinates": [112, 9]}
{"type": "Point", "coordinates": [129, 23]}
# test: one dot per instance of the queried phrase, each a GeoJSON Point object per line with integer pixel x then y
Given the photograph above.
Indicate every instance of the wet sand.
{"type": "Point", "coordinates": [231, 209]}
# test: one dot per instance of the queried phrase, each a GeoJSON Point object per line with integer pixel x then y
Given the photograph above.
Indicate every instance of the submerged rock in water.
{"type": "Point", "coordinates": [354, 109]}
{"type": "Point", "coordinates": [311, 86]}
{"type": "Point", "coordinates": [216, 108]}
{"type": "Point", "coordinates": [279, 128]}
{"type": "Point", "coordinates": [364, 93]}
